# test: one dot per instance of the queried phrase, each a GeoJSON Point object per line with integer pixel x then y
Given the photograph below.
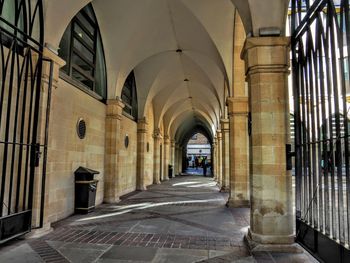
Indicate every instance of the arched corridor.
{"type": "Point", "coordinates": [100, 101]}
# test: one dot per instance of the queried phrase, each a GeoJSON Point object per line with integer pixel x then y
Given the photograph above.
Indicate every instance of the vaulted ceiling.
{"type": "Point", "coordinates": [180, 51]}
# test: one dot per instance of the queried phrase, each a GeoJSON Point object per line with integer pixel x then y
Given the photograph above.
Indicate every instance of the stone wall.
{"type": "Point", "coordinates": [149, 154]}
{"type": "Point", "coordinates": [128, 156]}
{"type": "Point", "coordinates": [67, 152]}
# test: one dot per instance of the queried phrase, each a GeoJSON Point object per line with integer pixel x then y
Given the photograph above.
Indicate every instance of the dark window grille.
{"type": "Point", "coordinates": [129, 96]}
{"type": "Point", "coordinates": [24, 104]}
{"type": "Point", "coordinates": [81, 48]}
{"type": "Point", "coordinates": [320, 47]}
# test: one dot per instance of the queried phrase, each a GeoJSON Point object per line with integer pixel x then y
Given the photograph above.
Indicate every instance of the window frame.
{"type": "Point", "coordinates": [133, 107]}
{"type": "Point", "coordinates": [67, 73]}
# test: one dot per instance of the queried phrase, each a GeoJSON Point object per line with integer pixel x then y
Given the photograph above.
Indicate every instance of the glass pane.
{"type": "Point", "coordinates": [100, 72]}
{"type": "Point", "coordinates": [87, 82]}
{"type": "Point", "coordinates": [76, 60]}
{"type": "Point", "coordinates": [8, 13]}
{"type": "Point", "coordinates": [83, 35]}
{"type": "Point", "coordinates": [83, 50]}
{"type": "Point", "coordinates": [64, 49]}
{"type": "Point", "coordinates": [88, 10]}
{"type": "Point", "coordinates": [86, 23]}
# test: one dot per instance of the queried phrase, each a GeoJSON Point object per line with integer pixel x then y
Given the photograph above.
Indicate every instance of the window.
{"type": "Point", "coordinates": [81, 48]}
{"type": "Point", "coordinates": [129, 96]}
{"type": "Point", "coordinates": [13, 12]}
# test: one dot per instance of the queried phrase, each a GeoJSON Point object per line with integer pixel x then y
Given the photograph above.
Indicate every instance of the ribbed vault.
{"type": "Point", "coordinates": [180, 51]}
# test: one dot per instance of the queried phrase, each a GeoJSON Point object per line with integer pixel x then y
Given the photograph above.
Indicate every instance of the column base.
{"type": "Point", "coordinates": [283, 244]}
{"type": "Point", "coordinates": [237, 203]}
{"type": "Point", "coordinates": [224, 189]}
{"type": "Point", "coordinates": [141, 188]}
{"type": "Point", "coordinates": [111, 200]}
{"type": "Point", "coordinates": [156, 182]}
{"type": "Point", "coordinates": [37, 233]}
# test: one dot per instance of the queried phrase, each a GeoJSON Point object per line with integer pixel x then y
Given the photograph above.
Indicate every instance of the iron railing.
{"type": "Point", "coordinates": [320, 58]}
{"type": "Point", "coordinates": [23, 106]}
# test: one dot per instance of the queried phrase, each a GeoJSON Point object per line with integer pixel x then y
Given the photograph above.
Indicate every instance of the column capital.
{"type": "Point", "coordinates": [166, 139]}
{"type": "Point", "coordinates": [57, 64]}
{"type": "Point", "coordinates": [157, 134]}
{"type": "Point", "coordinates": [218, 135]}
{"type": "Point", "coordinates": [237, 106]}
{"type": "Point", "coordinates": [225, 125]}
{"type": "Point", "coordinates": [115, 108]}
{"type": "Point", "coordinates": [266, 54]}
{"type": "Point", "coordinates": [172, 142]}
{"type": "Point", "coordinates": [142, 125]}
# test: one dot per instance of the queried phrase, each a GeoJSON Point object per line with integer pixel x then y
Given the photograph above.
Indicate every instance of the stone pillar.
{"type": "Point", "coordinates": [239, 153]}
{"type": "Point", "coordinates": [156, 156]}
{"type": "Point", "coordinates": [219, 157]}
{"type": "Point", "coordinates": [57, 63]}
{"type": "Point", "coordinates": [141, 154]}
{"type": "Point", "coordinates": [166, 158]}
{"type": "Point", "coordinates": [225, 131]}
{"type": "Point", "coordinates": [267, 68]}
{"type": "Point", "coordinates": [178, 160]}
{"type": "Point", "coordinates": [215, 159]}
{"type": "Point", "coordinates": [172, 155]}
{"type": "Point", "coordinates": [111, 180]}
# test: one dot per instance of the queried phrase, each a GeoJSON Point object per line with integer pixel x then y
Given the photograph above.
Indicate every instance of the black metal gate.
{"type": "Point", "coordinates": [321, 90]}
{"type": "Point", "coordinates": [24, 108]}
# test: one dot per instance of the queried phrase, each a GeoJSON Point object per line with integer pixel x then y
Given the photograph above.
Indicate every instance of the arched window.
{"type": "Point", "coordinates": [21, 20]}
{"type": "Point", "coordinates": [81, 48]}
{"type": "Point", "coordinates": [129, 96]}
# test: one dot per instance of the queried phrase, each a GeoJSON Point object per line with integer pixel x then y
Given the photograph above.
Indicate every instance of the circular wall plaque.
{"type": "Point", "coordinates": [126, 141]}
{"type": "Point", "coordinates": [81, 128]}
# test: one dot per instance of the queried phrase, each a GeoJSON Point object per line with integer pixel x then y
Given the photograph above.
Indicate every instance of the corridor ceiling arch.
{"type": "Point", "coordinates": [178, 113]}
{"type": "Point", "coordinates": [198, 129]}
{"type": "Point", "coordinates": [256, 15]}
{"type": "Point", "coordinates": [161, 78]}
{"type": "Point", "coordinates": [134, 32]}
{"type": "Point", "coordinates": [187, 120]}
{"type": "Point", "coordinates": [185, 132]}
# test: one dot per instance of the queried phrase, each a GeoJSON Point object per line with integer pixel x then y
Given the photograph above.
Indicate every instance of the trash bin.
{"type": "Point", "coordinates": [170, 171]}
{"type": "Point", "coordinates": [85, 190]}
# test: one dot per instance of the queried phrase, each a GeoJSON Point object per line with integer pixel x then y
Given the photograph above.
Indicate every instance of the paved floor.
{"type": "Point", "coordinates": [181, 220]}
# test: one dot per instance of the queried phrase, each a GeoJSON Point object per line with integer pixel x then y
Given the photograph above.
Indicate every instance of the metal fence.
{"type": "Point", "coordinates": [320, 58]}
{"type": "Point", "coordinates": [23, 107]}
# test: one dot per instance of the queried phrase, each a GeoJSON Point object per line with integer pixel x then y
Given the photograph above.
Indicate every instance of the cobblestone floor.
{"type": "Point", "coordinates": [182, 220]}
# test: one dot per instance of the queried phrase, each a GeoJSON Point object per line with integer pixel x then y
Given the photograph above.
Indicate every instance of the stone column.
{"type": "Point", "coordinates": [141, 153]}
{"type": "Point", "coordinates": [178, 160]}
{"type": "Point", "coordinates": [239, 152]}
{"type": "Point", "coordinates": [57, 63]}
{"type": "Point", "coordinates": [219, 157]}
{"type": "Point", "coordinates": [267, 68]}
{"type": "Point", "coordinates": [215, 159]}
{"type": "Point", "coordinates": [112, 163]}
{"type": "Point", "coordinates": [166, 158]}
{"type": "Point", "coordinates": [156, 156]}
{"type": "Point", "coordinates": [225, 155]}
{"type": "Point", "coordinates": [172, 155]}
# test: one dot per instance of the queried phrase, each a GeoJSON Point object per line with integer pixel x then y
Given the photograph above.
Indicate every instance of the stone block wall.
{"type": "Point", "coordinates": [128, 156]}
{"type": "Point", "coordinates": [67, 152]}
{"type": "Point", "coordinates": [149, 154]}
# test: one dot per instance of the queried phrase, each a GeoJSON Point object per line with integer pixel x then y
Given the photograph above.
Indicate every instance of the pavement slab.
{"type": "Point", "coordinates": [181, 220]}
